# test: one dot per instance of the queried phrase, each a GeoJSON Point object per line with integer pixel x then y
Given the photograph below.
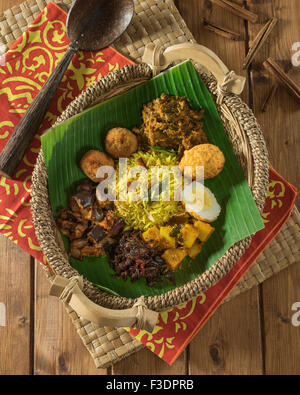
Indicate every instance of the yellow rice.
{"type": "Point", "coordinates": [142, 215]}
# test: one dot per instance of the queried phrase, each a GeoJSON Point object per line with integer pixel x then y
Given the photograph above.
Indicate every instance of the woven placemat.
{"type": "Point", "coordinates": [155, 21]}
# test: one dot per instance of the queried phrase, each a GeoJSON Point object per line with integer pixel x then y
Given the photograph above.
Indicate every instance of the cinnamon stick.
{"type": "Point", "coordinates": [278, 73]}
{"type": "Point", "coordinates": [259, 40]}
{"type": "Point", "coordinates": [236, 10]}
{"type": "Point", "coordinates": [221, 31]}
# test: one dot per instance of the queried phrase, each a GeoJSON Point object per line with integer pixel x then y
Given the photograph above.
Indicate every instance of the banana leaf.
{"type": "Point", "coordinates": [64, 145]}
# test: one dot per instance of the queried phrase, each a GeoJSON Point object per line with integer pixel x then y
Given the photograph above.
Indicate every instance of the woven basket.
{"type": "Point", "coordinates": [248, 143]}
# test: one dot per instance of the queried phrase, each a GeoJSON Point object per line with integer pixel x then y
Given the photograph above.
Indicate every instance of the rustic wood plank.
{"type": "Point", "coordinates": [282, 339]}
{"type": "Point", "coordinates": [231, 340]}
{"type": "Point", "coordinates": [281, 128]}
{"type": "Point", "coordinates": [145, 362]}
{"type": "Point", "coordinates": [58, 348]}
{"type": "Point", "coordinates": [16, 308]}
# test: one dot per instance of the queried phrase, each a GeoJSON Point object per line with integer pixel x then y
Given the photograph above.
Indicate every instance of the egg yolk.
{"type": "Point", "coordinates": [207, 200]}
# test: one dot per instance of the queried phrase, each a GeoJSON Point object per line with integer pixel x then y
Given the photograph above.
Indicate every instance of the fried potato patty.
{"type": "Point", "coordinates": [92, 160]}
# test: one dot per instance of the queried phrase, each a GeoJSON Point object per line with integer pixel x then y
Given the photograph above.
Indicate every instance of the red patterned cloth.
{"type": "Point", "coordinates": [27, 66]}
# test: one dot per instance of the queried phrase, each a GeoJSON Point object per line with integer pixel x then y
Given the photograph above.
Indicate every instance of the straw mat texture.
{"type": "Point", "coordinates": [155, 21]}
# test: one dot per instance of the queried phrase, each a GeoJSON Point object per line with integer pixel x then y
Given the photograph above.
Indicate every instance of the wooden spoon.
{"type": "Point", "coordinates": [91, 26]}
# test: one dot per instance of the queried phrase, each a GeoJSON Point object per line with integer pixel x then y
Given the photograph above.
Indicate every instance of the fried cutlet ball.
{"type": "Point", "coordinates": [91, 161]}
{"type": "Point", "coordinates": [207, 155]}
{"type": "Point", "coordinates": [121, 143]}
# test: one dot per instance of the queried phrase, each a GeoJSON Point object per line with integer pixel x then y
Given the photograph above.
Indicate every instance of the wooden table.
{"type": "Point", "coordinates": [253, 333]}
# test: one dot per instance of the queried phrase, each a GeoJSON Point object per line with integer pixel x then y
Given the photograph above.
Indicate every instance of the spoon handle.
{"type": "Point", "coordinates": [22, 136]}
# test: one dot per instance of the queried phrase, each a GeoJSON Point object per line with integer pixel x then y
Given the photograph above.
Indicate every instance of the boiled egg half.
{"type": "Point", "coordinates": [200, 202]}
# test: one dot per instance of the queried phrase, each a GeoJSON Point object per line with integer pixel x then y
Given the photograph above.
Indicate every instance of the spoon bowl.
{"type": "Point", "coordinates": [95, 24]}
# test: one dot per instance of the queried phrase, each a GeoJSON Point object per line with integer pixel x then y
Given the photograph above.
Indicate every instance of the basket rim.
{"type": "Point", "coordinates": [45, 225]}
